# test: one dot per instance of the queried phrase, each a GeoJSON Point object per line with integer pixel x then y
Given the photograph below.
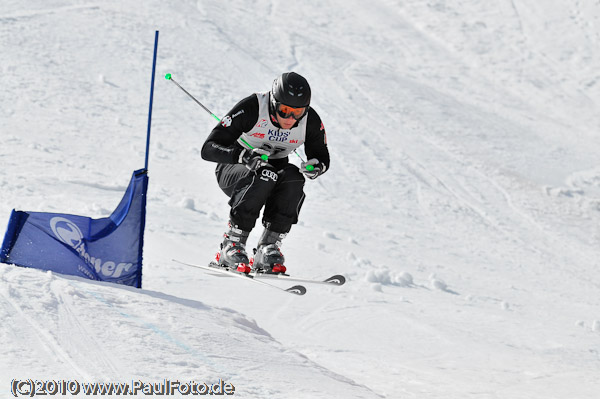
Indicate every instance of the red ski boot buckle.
{"type": "Point", "coordinates": [278, 268]}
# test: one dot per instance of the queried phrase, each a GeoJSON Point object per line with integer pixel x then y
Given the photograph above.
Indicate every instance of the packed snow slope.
{"type": "Point", "coordinates": [462, 203]}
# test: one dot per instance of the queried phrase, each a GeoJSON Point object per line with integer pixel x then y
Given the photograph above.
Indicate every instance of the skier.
{"type": "Point", "coordinates": [251, 145]}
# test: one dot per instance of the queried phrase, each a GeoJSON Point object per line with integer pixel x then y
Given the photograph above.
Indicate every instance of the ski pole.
{"type": "Point", "coordinates": [168, 76]}
{"type": "Point", "coordinates": [263, 157]}
{"type": "Point", "coordinates": [308, 167]}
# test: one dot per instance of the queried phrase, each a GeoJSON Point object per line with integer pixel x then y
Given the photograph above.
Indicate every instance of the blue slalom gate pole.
{"type": "Point", "coordinates": [151, 99]}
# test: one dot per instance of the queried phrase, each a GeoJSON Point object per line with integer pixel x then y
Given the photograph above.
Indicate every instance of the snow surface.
{"type": "Point", "coordinates": [462, 204]}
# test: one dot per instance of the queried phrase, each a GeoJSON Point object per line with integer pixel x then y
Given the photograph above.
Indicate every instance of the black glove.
{"type": "Point", "coordinates": [316, 170]}
{"type": "Point", "coordinates": [252, 159]}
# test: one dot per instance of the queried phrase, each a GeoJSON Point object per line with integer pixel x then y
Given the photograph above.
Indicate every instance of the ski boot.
{"type": "Point", "coordinates": [268, 257]}
{"type": "Point", "coordinates": [233, 254]}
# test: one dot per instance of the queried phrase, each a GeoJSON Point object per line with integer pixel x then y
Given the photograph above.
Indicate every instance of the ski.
{"type": "Point", "coordinates": [337, 279]}
{"type": "Point", "coordinates": [297, 289]}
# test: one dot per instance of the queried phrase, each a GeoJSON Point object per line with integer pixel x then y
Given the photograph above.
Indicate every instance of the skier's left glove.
{"type": "Point", "coordinates": [317, 168]}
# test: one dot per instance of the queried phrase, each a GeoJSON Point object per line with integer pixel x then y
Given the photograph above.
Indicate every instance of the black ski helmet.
{"type": "Point", "coordinates": [291, 89]}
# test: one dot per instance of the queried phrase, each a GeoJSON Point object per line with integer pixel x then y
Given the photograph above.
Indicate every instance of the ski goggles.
{"type": "Point", "coordinates": [285, 111]}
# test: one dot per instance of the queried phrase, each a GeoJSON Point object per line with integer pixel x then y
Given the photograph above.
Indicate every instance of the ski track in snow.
{"type": "Point", "coordinates": [79, 350]}
{"type": "Point", "coordinates": [47, 342]}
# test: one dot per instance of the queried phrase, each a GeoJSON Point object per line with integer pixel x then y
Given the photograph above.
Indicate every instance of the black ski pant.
{"type": "Point", "coordinates": [279, 191]}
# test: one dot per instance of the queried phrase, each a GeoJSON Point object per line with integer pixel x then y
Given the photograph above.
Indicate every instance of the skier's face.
{"type": "Point", "coordinates": [287, 115]}
{"type": "Point", "coordinates": [286, 123]}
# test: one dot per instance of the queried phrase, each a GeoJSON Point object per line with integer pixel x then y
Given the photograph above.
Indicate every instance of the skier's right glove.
{"type": "Point", "coordinates": [252, 159]}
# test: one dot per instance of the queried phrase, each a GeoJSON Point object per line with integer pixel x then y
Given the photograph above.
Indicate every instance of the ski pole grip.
{"type": "Point", "coordinates": [264, 157]}
{"type": "Point", "coordinates": [310, 167]}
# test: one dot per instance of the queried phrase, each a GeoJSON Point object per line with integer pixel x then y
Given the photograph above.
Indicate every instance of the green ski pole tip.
{"type": "Point", "coordinates": [168, 76]}
{"type": "Point", "coordinates": [264, 157]}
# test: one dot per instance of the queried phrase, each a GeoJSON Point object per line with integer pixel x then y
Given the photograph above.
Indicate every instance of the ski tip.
{"type": "Point", "coordinates": [297, 289]}
{"type": "Point", "coordinates": [338, 279]}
